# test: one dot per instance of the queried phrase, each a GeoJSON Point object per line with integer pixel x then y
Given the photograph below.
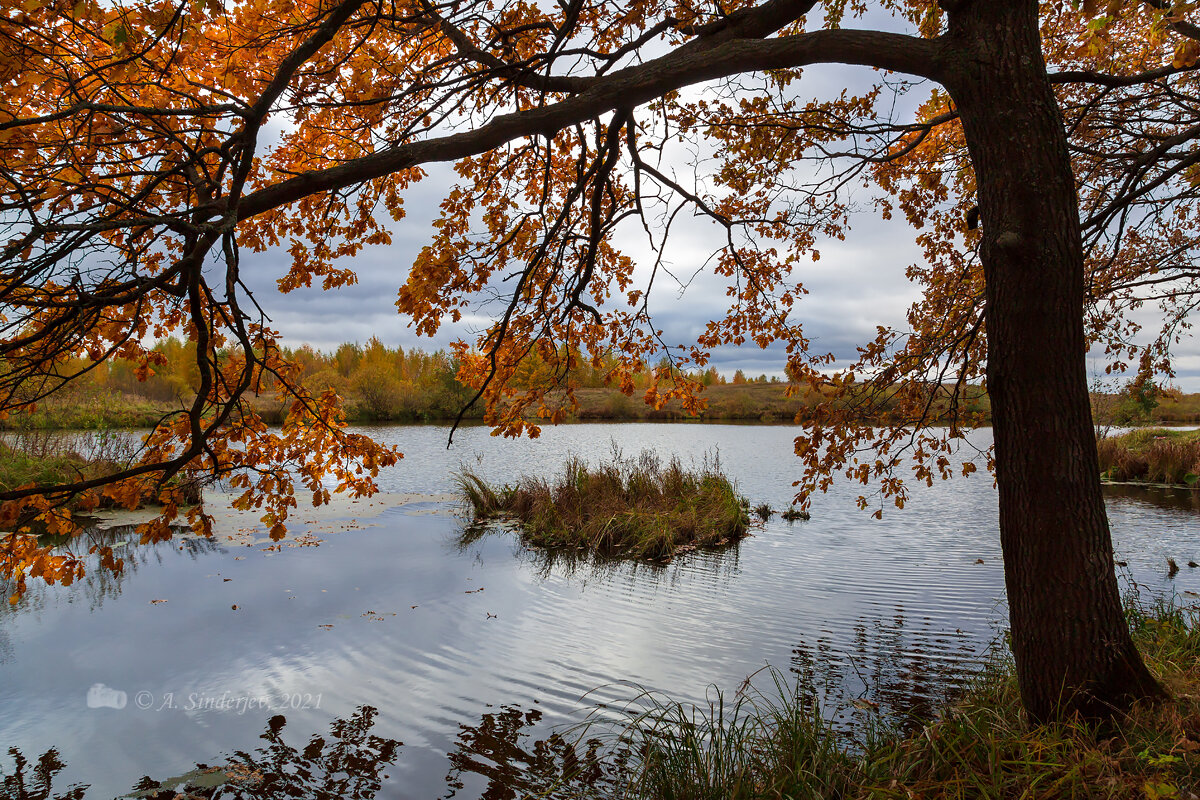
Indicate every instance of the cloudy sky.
{"type": "Point", "coordinates": [858, 283]}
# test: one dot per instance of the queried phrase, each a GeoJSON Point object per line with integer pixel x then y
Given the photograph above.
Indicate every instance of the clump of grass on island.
{"type": "Point", "coordinates": [640, 508]}
{"type": "Point", "coordinates": [779, 743]}
{"type": "Point", "coordinates": [1153, 455]}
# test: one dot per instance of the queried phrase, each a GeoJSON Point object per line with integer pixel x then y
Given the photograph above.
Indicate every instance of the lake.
{"type": "Point", "coordinates": [471, 653]}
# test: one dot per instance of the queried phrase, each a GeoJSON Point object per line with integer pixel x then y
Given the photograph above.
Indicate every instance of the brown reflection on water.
{"type": "Point", "coordinates": [1173, 497]}
{"type": "Point", "coordinates": [901, 667]}
{"type": "Point", "coordinates": [499, 759]}
{"type": "Point", "coordinates": [99, 585]}
{"type": "Point", "coordinates": [584, 565]}
{"type": "Point", "coordinates": [349, 762]}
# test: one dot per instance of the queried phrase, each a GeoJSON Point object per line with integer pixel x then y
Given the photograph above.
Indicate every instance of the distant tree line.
{"type": "Point", "coordinates": [379, 383]}
{"type": "Point", "coordinates": [393, 384]}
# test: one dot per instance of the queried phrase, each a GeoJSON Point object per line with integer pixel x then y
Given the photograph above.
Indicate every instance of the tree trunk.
{"type": "Point", "coordinates": [1069, 635]}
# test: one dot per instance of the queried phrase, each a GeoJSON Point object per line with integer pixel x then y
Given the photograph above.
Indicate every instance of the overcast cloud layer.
{"type": "Point", "coordinates": [857, 284]}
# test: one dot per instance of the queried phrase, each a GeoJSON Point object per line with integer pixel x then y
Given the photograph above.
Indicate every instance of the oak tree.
{"type": "Point", "coordinates": [1045, 154]}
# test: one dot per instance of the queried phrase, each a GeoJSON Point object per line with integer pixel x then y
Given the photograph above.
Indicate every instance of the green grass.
{"type": "Point", "coordinates": [749, 745]}
{"type": "Point", "coordinates": [777, 743]}
{"type": "Point", "coordinates": [48, 459]}
{"type": "Point", "coordinates": [83, 410]}
{"type": "Point", "coordinates": [19, 469]}
{"type": "Point", "coordinates": [639, 508]}
{"type": "Point", "coordinates": [1154, 455]}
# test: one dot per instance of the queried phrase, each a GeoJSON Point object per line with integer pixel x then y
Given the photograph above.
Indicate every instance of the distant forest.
{"type": "Point", "coordinates": [379, 384]}
{"type": "Point", "coordinates": [386, 384]}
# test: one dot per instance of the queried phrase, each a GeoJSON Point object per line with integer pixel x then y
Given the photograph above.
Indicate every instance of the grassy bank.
{"type": "Point", "coordinates": [752, 402]}
{"type": "Point", "coordinates": [51, 459]}
{"type": "Point", "coordinates": [778, 744]}
{"type": "Point", "coordinates": [1153, 455]}
{"type": "Point", "coordinates": [1177, 408]}
{"type": "Point", "coordinates": [91, 410]}
{"type": "Point", "coordinates": [745, 402]}
{"type": "Point", "coordinates": [640, 508]}
{"type": "Point", "coordinates": [369, 402]}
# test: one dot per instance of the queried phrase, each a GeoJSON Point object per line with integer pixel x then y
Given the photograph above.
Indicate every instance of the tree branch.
{"type": "Point", "coordinates": [625, 88]}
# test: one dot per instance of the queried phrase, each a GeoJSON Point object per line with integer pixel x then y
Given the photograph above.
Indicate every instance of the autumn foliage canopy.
{"type": "Point", "coordinates": [151, 150]}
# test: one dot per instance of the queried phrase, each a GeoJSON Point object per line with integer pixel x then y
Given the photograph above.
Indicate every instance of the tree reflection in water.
{"type": "Point", "coordinates": [349, 763]}
{"type": "Point", "coordinates": [498, 758]}
{"type": "Point", "coordinates": [99, 585]}
{"type": "Point", "coordinates": [511, 764]}
{"type": "Point", "coordinates": [904, 668]}
{"type": "Point", "coordinates": [900, 664]}
{"type": "Point", "coordinates": [21, 785]}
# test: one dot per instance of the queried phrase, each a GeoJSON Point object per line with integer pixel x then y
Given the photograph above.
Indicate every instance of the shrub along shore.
{"type": "Point", "coordinates": [391, 384]}
{"type": "Point", "coordinates": [634, 507]}
{"type": "Point", "coordinates": [746, 402]}
{"type": "Point", "coordinates": [1151, 455]}
{"type": "Point", "coordinates": [750, 402]}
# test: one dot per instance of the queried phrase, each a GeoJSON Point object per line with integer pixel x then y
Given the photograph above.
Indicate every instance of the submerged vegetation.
{"type": "Point", "coordinates": [1153, 455]}
{"type": "Point", "coordinates": [636, 507]}
{"type": "Point", "coordinates": [779, 743]}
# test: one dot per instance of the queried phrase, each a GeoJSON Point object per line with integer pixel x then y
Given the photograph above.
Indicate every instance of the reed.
{"type": "Point", "coordinates": [636, 507]}
{"type": "Point", "coordinates": [779, 744]}
{"type": "Point", "coordinates": [48, 458]}
{"type": "Point", "coordinates": [1154, 455]}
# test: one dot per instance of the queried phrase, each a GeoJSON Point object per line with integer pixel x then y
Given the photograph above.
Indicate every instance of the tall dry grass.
{"type": "Point", "coordinates": [1155, 455]}
{"type": "Point", "coordinates": [777, 743]}
{"type": "Point", "coordinates": [50, 458]}
{"type": "Point", "coordinates": [639, 507]}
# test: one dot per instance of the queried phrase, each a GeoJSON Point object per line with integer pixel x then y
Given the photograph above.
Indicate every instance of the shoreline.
{"type": "Point", "coordinates": [1181, 425]}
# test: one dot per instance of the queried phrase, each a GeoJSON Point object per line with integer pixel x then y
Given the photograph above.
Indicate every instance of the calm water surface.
{"type": "Point", "coordinates": [468, 653]}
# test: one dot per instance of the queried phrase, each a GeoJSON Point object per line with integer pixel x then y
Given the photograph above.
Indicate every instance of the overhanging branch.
{"type": "Point", "coordinates": [627, 88]}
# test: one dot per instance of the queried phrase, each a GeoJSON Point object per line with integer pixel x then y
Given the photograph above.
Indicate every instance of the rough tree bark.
{"type": "Point", "coordinates": [1069, 636]}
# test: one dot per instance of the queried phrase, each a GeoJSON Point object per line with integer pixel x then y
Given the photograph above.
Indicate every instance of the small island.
{"type": "Point", "coordinates": [625, 507]}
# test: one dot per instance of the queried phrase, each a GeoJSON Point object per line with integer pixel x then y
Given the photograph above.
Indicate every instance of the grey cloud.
{"type": "Point", "coordinates": [857, 284]}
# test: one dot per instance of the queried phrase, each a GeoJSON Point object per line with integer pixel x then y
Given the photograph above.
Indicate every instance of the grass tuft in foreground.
{"type": "Point", "coordinates": [779, 744]}
{"type": "Point", "coordinates": [637, 507]}
{"type": "Point", "coordinates": [1154, 455]}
